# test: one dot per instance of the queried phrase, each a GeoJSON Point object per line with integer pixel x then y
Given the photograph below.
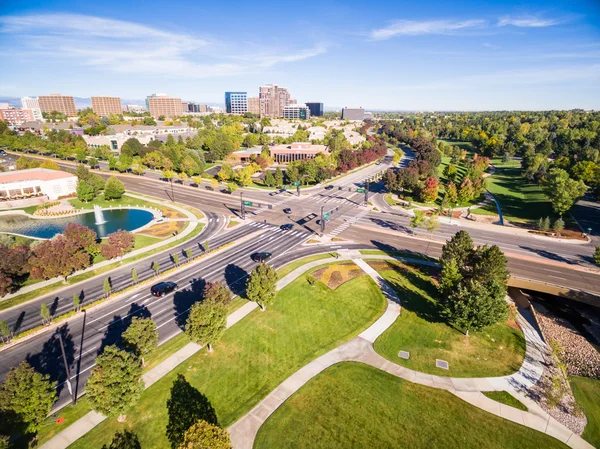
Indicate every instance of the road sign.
{"type": "Point", "coordinates": [297, 183]}
{"type": "Point", "coordinates": [360, 190]}
{"type": "Point", "coordinates": [247, 203]}
{"type": "Point", "coordinates": [326, 215]}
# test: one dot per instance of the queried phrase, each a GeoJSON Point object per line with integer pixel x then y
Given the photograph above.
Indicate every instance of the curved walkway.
{"type": "Point", "coordinates": [360, 349]}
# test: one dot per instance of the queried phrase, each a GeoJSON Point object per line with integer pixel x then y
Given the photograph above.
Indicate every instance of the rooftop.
{"type": "Point", "coordinates": [39, 174]}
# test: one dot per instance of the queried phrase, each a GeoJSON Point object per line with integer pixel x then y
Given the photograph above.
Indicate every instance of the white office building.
{"type": "Point", "coordinates": [33, 105]}
{"type": "Point", "coordinates": [35, 182]}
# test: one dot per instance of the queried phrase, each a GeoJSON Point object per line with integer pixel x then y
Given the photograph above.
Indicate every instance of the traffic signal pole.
{"type": "Point", "coordinates": [366, 192]}
{"type": "Point", "coordinates": [322, 221]}
{"type": "Point", "coordinates": [243, 208]}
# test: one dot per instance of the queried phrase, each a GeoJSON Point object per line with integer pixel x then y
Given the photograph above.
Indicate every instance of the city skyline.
{"type": "Point", "coordinates": [433, 56]}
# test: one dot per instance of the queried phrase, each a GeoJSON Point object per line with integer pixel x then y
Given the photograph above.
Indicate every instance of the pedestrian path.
{"type": "Point", "coordinates": [360, 349]}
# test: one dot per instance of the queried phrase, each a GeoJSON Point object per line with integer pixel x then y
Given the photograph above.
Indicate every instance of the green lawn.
{"type": "Point", "coordinates": [504, 397]}
{"type": "Point", "coordinates": [256, 355]}
{"type": "Point", "coordinates": [420, 330]}
{"type": "Point", "coordinates": [521, 201]}
{"type": "Point", "coordinates": [125, 200]}
{"type": "Point", "coordinates": [587, 395]}
{"type": "Point", "coordinates": [351, 405]}
{"type": "Point", "coordinates": [407, 254]}
{"type": "Point", "coordinates": [287, 269]}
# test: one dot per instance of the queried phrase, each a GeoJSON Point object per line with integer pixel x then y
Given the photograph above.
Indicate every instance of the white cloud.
{"type": "Point", "coordinates": [418, 28]}
{"type": "Point", "coordinates": [129, 47]}
{"type": "Point", "coordinates": [527, 21]}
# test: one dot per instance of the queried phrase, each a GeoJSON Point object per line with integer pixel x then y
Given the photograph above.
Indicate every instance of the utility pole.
{"type": "Point", "coordinates": [172, 192]}
{"type": "Point", "coordinates": [367, 192]}
{"type": "Point", "coordinates": [68, 381]}
{"type": "Point", "coordinates": [322, 221]}
{"type": "Point", "coordinates": [298, 189]}
{"type": "Point", "coordinates": [243, 208]}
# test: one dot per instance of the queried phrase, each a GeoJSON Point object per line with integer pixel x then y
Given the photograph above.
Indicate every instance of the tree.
{"type": "Point", "coordinates": [141, 337]}
{"type": "Point", "coordinates": [216, 292]}
{"type": "Point", "coordinates": [451, 194]}
{"type": "Point", "coordinates": [76, 302]}
{"type": "Point", "coordinates": [278, 177]}
{"type": "Point", "coordinates": [597, 255]}
{"type": "Point", "coordinates": [204, 435]}
{"type": "Point", "coordinates": [562, 190]}
{"type": "Point", "coordinates": [50, 165]}
{"type": "Point", "coordinates": [270, 179]}
{"type": "Point", "coordinates": [26, 398]}
{"type": "Point", "coordinates": [57, 257]}
{"type": "Point", "coordinates": [119, 243]}
{"type": "Point", "coordinates": [466, 192]}
{"type": "Point", "coordinates": [433, 224]}
{"type": "Point", "coordinates": [206, 246]}
{"type": "Point", "coordinates": [231, 187]}
{"type": "Point", "coordinates": [134, 276]}
{"type": "Point", "coordinates": [107, 287]}
{"type": "Point", "coordinates": [544, 224]}
{"type": "Point", "coordinates": [45, 313]}
{"type": "Point", "coordinates": [450, 171]}
{"type": "Point", "coordinates": [459, 248]}
{"type": "Point", "coordinates": [206, 323]}
{"type": "Point", "coordinates": [114, 189]}
{"type": "Point", "coordinates": [185, 407]}
{"type": "Point", "coordinates": [417, 219]}
{"type": "Point", "coordinates": [85, 192]}
{"type": "Point", "coordinates": [115, 383]}
{"type": "Point", "coordinates": [188, 254]}
{"type": "Point", "coordinates": [156, 267]}
{"type": "Point", "coordinates": [4, 331]}
{"type": "Point", "coordinates": [429, 191]}
{"type": "Point", "coordinates": [175, 259]}
{"type": "Point", "coordinates": [474, 305]}
{"type": "Point", "coordinates": [124, 440]}
{"type": "Point", "coordinates": [262, 285]}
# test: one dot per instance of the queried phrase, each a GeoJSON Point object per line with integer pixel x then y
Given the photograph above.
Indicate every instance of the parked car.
{"type": "Point", "coordinates": [261, 257]}
{"type": "Point", "coordinates": [162, 288]}
{"type": "Point", "coordinates": [209, 188]}
{"type": "Point", "coordinates": [287, 210]}
{"type": "Point", "coordinates": [286, 227]}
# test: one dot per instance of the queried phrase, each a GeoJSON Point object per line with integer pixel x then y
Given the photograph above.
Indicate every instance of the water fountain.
{"type": "Point", "coordinates": [98, 215]}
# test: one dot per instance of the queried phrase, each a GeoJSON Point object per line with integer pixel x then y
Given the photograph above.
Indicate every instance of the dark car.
{"type": "Point", "coordinates": [286, 227]}
{"type": "Point", "coordinates": [162, 288]}
{"type": "Point", "coordinates": [261, 257]}
{"type": "Point", "coordinates": [209, 188]}
{"type": "Point", "coordinates": [287, 210]}
{"type": "Point", "coordinates": [2, 153]}
{"type": "Point", "coordinates": [329, 187]}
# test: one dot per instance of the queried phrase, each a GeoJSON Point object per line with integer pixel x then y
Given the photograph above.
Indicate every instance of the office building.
{"type": "Point", "coordinates": [353, 114]}
{"type": "Point", "coordinates": [236, 102]}
{"type": "Point", "coordinates": [33, 105]}
{"type": "Point", "coordinates": [161, 104]}
{"type": "Point", "coordinates": [316, 109]}
{"type": "Point", "coordinates": [296, 111]}
{"type": "Point", "coordinates": [34, 182]}
{"type": "Point", "coordinates": [297, 151]}
{"type": "Point", "coordinates": [16, 116]}
{"type": "Point", "coordinates": [273, 99]}
{"type": "Point", "coordinates": [4, 106]}
{"type": "Point", "coordinates": [203, 108]}
{"type": "Point", "coordinates": [59, 103]}
{"type": "Point", "coordinates": [254, 105]}
{"type": "Point", "coordinates": [104, 106]}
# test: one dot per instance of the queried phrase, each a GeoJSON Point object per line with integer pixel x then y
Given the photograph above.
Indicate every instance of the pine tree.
{"type": "Point", "coordinates": [278, 177]}
{"type": "Point", "coordinates": [116, 382]}
{"type": "Point", "coordinates": [558, 225]}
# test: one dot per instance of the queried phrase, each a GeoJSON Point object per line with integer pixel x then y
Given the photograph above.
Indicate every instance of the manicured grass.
{"type": "Point", "coordinates": [407, 254]}
{"type": "Point", "coordinates": [287, 269]}
{"type": "Point", "coordinates": [124, 201]}
{"type": "Point", "coordinates": [587, 395]}
{"type": "Point", "coordinates": [504, 397]}
{"type": "Point", "coordinates": [421, 330]}
{"type": "Point", "coordinates": [521, 201]}
{"type": "Point", "coordinates": [256, 355]}
{"type": "Point", "coordinates": [351, 405]}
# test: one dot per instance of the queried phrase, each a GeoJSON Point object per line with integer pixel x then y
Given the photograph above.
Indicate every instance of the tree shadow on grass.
{"type": "Point", "coordinates": [185, 407]}
{"type": "Point", "coordinates": [185, 298]}
{"type": "Point", "coordinates": [50, 361]}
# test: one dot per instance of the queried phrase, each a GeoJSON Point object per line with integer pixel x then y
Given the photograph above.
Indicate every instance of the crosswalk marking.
{"type": "Point", "coordinates": [342, 227]}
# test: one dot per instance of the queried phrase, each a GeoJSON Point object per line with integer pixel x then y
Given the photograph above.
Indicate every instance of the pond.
{"type": "Point", "coordinates": [125, 219]}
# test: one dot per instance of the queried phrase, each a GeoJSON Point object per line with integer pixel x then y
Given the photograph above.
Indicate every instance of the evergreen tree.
{"type": "Point", "coordinates": [269, 179]}
{"type": "Point", "coordinates": [262, 285]}
{"type": "Point", "coordinates": [26, 398]}
{"type": "Point", "coordinates": [116, 382]}
{"type": "Point", "coordinates": [278, 177]}
{"type": "Point", "coordinates": [558, 225]}
{"type": "Point", "coordinates": [458, 248]}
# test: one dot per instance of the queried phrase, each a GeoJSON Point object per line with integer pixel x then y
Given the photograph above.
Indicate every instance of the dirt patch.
{"type": "Point", "coordinates": [335, 275]}
{"type": "Point", "coordinates": [166, 229]}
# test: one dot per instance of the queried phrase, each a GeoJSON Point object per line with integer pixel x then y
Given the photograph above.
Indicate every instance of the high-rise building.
{"type": "Point", "coordinates": [104, 106]}
{"type": "Point", "coordinates": [16, 116]}
{"type": "Point", "coordinates": [33, 105]}
{"type": "Point", "coordinates": [353, 114]}
{"type": "Point", "coordinates": [316, 109]}
{"type": "Point", "coordinates": [296, 111]}
{"type": "Point", "coordinates": [203, 108]}
{"type": "Point", "coordinates": [161, 104]}
{"type": "Point", "coordinates": [59, 103]}
{"type": "Point", "coordinates": [254, 105]}
{"type": "Point", "coordinates": [236, 102]}
{"type": "Point", "coordinates": [273, 99]}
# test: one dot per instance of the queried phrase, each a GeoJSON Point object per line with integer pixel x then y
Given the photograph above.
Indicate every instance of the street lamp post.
{"type": "Point", "coordinates": [68, 381]}
{"type": "Point", "coordinates": [243, 208]}
{"type": "Point", "coordinates": [322, 221]}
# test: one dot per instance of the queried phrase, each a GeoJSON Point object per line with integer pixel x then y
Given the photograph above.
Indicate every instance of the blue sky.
{"type": "Point", "coordinates": [426, 55]}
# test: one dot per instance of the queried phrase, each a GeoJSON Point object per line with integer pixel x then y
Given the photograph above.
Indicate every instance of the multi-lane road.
{"type": "Point", "coordinates": [361, 227]}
